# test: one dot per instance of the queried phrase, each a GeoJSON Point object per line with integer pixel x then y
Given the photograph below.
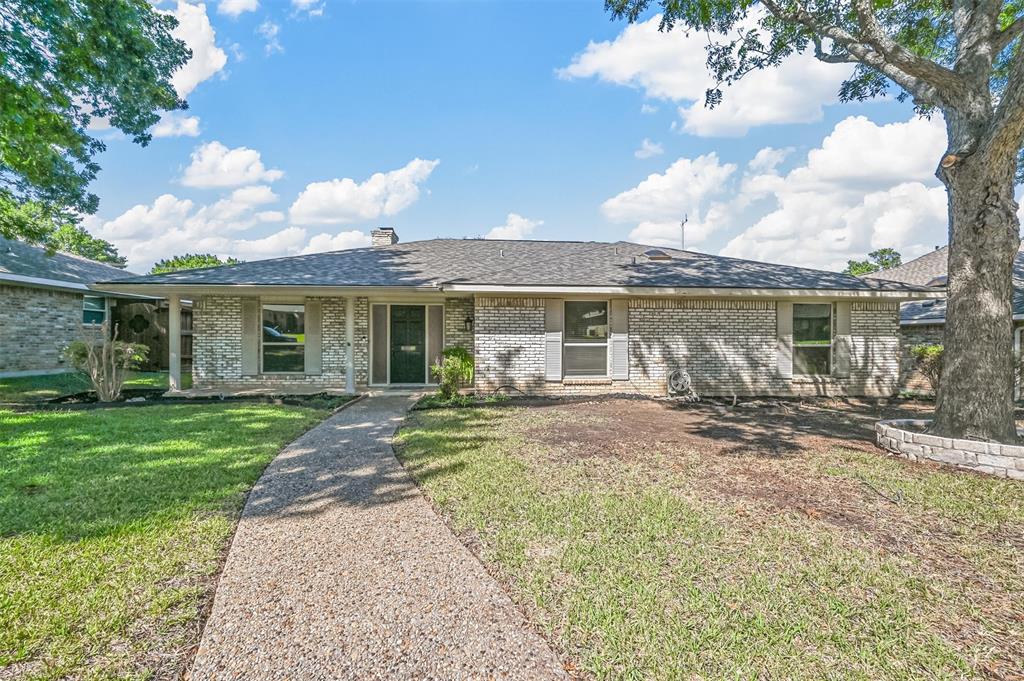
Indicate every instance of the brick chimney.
{"type": "Point", "coordinates": [383, 236]}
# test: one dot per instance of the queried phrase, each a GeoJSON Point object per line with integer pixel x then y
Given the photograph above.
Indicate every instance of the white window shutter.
{"type": "Point", "coordinates": [553, 322]}
{"type": "Point", "coordinates": [842, 343]}
{"type": "Point", "coordinates": [784, 332]}
{"type": "Point", "coordinates": [619, 342]}
{"type": "Point", "coordinates": [252, 329]}
{"type": "Point", "coordinates": [314, 335]}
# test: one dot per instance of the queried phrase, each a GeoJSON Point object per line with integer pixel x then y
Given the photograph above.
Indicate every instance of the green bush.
{"type": "Point", "coordinates": [928, 360]}
{"type": "Point", "coordinates": [453, 370]}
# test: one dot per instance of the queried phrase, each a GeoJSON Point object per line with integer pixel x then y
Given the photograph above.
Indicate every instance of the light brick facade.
{"type": "Point", "coordinates": [36, 324]}
{"type": "Point", "coordinates": [217, 347]}
{"type": "Point", "coordinates": [729, 347]}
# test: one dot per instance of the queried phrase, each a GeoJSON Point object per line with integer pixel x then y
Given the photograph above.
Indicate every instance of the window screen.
{"type": "Point", "coordinates": [812, 339]}
{"type": "Point", "coordinates": [284, 339]}
{"type": "Point", "coordinates": [585, 351]}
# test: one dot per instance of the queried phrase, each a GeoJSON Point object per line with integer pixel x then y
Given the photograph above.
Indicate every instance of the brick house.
{"type": "Point", "coordinates": [923, 321]}
{"type": "Point", "coordinates": [546, 317]}
{"type": "Point", "coordinates": [45, 300]}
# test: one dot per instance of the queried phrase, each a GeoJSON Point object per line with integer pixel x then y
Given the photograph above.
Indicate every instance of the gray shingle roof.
{"type": "Point", "coordinates": [931, 267]}
{"type": "Point", "coordinates": [25, 260]}
{"type": "Point", "coordinates": [517, 263]}
{"type": "Point", "coordinates": [921, 271]}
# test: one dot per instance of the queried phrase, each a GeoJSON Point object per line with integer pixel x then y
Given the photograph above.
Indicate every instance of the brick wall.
{"type": "Point", "coordinates": [456, 310]}
{"type": "Point", "coordinates": [217, 346]}
{"type": "Point", "coordinates": [728, 347]}
{"type": "Point", "coordinates": [35, 326]}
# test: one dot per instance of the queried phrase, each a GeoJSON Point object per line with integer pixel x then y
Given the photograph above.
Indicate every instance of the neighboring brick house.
{"type": "Point", "coordinates": [923, 321]}
{"type": "Point", "coordinates": [543, 317]}
{"type": "Point", "coordinates": [45, 300]}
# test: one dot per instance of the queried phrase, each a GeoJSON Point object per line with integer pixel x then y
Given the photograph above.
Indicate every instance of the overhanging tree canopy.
{"type": "Point", "coordinates": [962, 58]}
{"type": "Point", "coordinates": [64, 64]}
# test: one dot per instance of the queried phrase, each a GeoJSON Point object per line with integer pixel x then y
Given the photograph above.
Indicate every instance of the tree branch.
{"type": "Point", "coordinates": [924, 92]}
{"type": "Point", "coordinates": [1002, 39]}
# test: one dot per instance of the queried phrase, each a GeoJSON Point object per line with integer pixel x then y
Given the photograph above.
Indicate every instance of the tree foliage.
{"type": "Point", "coordinates": [882, 259]}
{"type": "Point", "coordinates": [190, 261]}
{"type": "Point", "coordinates": [66, 64]}
{"type": "Point", "coordinates": [74, 239]}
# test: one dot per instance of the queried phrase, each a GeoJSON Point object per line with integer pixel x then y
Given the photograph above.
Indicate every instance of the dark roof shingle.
{"type": "Point", "coordinates": [517, 263]}
{"type": "Point", "coordinates": [25, 260]}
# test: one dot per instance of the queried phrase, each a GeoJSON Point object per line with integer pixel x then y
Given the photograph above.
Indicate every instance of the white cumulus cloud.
{"type": "Point", "coordinates": [649, 149]}
{"type": "Point", "coordinates": [515, 227]}
{"type": "Point", "coordinates": [215, 165]}
{"type": "Point", "coordinates": [234, 8]}
{"type": "Point", "coordinates": [659, 203]}
{"type": "Point", "coordinates": [345, 200]}
{"type": "Point", "coordinates": [324, 242]}
{"type": "Point", "coordinates": [207, 59]}
{"type": "Point", "coordinates": [672, 66]}
{"type": "Point", "coordinates": [176, 124]}
{"type": "Point", "coordinates": [867, 186]}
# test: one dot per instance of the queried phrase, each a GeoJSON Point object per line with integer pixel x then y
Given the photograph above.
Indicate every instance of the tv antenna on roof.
{"type": "Point", "coordinates": [682, 230]}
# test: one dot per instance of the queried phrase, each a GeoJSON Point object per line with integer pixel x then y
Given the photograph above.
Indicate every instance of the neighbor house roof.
{"type": "Point", "coordinates": [931, 268]}
{"type": "Point", "coordinates": [30, 265]}
{"type": "Point", "coordinates": [482, 265]}
{"type": "Point", "coordinates": [928, 270]}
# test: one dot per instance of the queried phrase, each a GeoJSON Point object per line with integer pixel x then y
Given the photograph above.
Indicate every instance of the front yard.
{"type": "Point", "coordinates": [113, 523]}
{"type": "Point", "coordinates": [48, 386]}
{"type": "Point", "coordinates": [651, 541]}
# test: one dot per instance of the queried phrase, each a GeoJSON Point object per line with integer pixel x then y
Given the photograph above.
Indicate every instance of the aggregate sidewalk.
{"type": "Point", "coordinates": [340, 569]}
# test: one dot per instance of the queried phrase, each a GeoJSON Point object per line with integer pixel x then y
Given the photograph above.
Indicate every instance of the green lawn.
{"type": "Point", "coordinates": [38, 388]}
{"type": "Point", "coordinates": [644, 557]}
{"type": "Point", "coordinates": [112, 525]}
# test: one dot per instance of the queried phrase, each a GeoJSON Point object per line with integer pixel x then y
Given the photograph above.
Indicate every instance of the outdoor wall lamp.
{"type": "Point", "coordinates": [468, 324]}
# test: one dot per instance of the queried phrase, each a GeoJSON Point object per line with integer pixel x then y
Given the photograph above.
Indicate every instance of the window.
{"type": "Point", "coordinates": [94, 310]}
{"type": "Point", "coordinates": [812, 339]}
{"type": "Point", "coordinates": [585, 351]}
{"type": "Point", "coordinates": [284, 339]}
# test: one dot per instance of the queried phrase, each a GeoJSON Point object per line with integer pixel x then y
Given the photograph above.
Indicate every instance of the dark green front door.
{"type": "Point", "coordinates": [408, 344]}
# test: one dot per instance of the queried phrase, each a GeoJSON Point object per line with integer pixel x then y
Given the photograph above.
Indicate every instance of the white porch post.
{"type": "Point", "coordinates": [174, 340]}
{"type": "Point", "coordinates": [350, 334]}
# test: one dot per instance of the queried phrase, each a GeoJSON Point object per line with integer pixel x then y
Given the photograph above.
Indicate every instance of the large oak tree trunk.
{"type": "Point", "coordinates": [975, 397]}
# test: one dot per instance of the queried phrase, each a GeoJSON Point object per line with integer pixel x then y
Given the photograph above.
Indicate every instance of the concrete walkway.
{"type": "Point", "coordinates": [340, 569]}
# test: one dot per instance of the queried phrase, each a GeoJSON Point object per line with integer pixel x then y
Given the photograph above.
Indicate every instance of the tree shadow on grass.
{"type": "Point", "coordinates": [72, 475]}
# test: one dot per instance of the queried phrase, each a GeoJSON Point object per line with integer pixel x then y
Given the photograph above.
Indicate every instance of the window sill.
{"type": "Point", "coordinates": [822, 378]}
{"type": "Point", "coordinates": [583, 380]}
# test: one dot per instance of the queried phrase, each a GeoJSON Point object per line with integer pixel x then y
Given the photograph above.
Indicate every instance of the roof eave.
{"type": "Point", "coordinates": [735, 292]}
{"type": "Point", "coordinates": [57, 285]}
{"type": "Point", "coordinates": [163, 290]}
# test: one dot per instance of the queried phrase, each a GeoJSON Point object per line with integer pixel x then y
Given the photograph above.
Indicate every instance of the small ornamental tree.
{"type": "Point", "coordinates": [960, 58]}
{"type": "Point", "coordinates": [454, 369]}
{"type": "Point", "coordinates": [105, 360]}
{"type": "Point", "coordinates": [928, 361]}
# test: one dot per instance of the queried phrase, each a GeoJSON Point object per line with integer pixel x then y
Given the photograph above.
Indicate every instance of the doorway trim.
{"type": "Point", "coordinates": [387, 344]}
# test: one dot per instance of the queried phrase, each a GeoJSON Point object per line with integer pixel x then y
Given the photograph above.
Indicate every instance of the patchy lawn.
{"type": "Point", "coordinates": [653, 541]}
{"type": "Point", "coordinates": [113, 523]}
{"type": "Point", "coordinates": [39, 388]}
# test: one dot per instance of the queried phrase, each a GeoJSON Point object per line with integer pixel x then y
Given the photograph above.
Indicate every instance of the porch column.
{"type": "Point", "coordinates": [350, 335]}
{"type": "Point", "coordinates": [174, 340]}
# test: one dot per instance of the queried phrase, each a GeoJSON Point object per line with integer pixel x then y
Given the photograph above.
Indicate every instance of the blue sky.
{"type": "Point", "coordinates": [310, 123]}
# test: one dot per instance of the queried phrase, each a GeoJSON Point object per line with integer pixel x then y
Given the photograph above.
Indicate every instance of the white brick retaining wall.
{"type": "Point", "coordinates": [902, 437]}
